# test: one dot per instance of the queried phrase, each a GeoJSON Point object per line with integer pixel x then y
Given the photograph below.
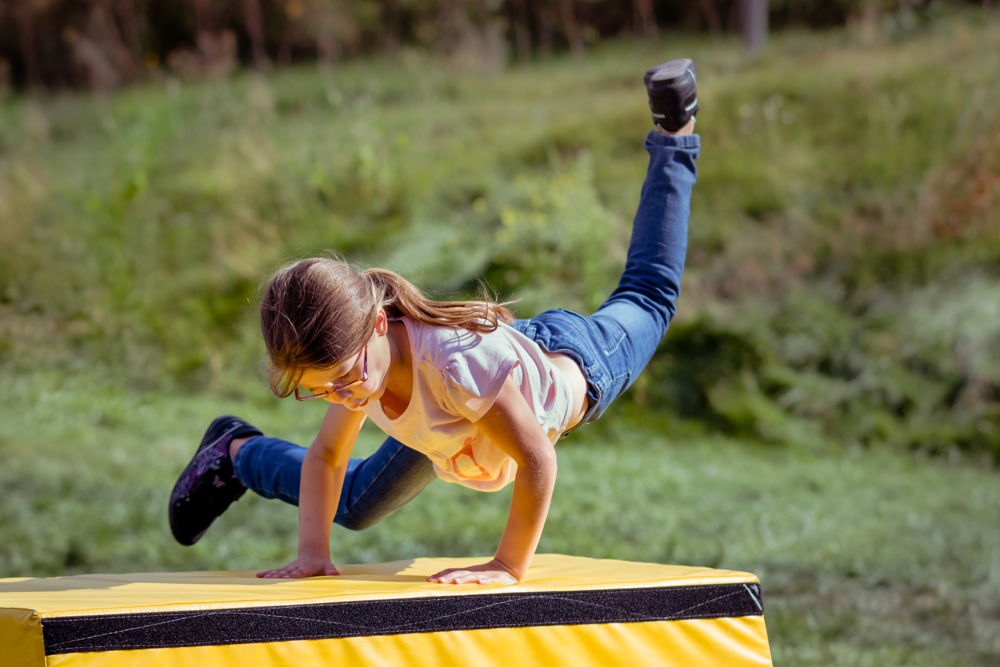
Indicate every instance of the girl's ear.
{"type": "Point", "coordinates": [381, 322]}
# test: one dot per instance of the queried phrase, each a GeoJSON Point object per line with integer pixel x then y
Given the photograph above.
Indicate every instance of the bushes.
{"type": "Point", "coordinates": [843, 256]}
{"type": "Point", "coordinates": [814, 372]}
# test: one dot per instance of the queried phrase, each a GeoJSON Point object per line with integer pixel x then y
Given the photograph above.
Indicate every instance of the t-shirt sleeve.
{"type": "Point", "coordinates": [474, 373]}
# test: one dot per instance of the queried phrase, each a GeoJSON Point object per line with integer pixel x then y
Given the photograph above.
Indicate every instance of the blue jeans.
{"type": "Point", "coordinates": [612, 346]}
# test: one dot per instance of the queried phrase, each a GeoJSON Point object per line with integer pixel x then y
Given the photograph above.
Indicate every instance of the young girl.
{"type": "Point", "coordinates": [465, 392]}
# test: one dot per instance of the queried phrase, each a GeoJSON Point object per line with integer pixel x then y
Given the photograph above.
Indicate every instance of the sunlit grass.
{"type": "Point", "coordinates": [864, 555]}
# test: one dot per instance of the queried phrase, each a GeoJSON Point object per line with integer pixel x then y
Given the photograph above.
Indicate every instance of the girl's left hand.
{"type": "Point", "coordinates": [306, 565]}
{"type": "Point", "coordinates": [487, 573]}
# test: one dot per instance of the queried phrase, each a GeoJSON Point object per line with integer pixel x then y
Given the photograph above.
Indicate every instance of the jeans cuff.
{"type": "Point", "coordinates": [240, 455]}
{"type": "Point", "coordinates": [685, 141]}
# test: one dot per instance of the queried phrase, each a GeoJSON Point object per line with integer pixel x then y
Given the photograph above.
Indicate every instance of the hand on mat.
{"type": "Point", "coordinates": [301, 567]}
{"type": "Point", "coordinates": [487, 573]}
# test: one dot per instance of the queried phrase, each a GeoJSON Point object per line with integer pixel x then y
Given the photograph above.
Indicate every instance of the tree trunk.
{"type": "Point", "coordinates": [544, 23]}
{"type": "Point", "coordinates": [522, 36]}
{"type": "Point", "coordinates": [571, 28]}
{"type": "Point", "coordinates": [324, 18]}
{"type": "Point", "coordinates": [126, 59]}
{"type": "Point", "coordinates": [26, 29]}
{"type": "Point", "coordinates": [130, 27]}
{"type": "Point", "coordinates": [644, 10]}
{"type": "Point", "coordinates": [712, 17]}
{"type": "Point", "coordinates": [754, 25]}
{"type": "Point", "coordinates": [870, 14]}
{"type": "Point", "coordinates": [735, 19]}
{"type": "Point", "coordinates": [285, 46]}
{"type": "Point", "coordinates": [203, 16]}
{"type": "Point", "coordinates": [255, 29]}
{"type": "Point", "coordinates": [392, 26]}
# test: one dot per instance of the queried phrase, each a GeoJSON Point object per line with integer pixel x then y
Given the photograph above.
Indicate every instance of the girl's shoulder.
{"type": "Point", "coordinates": [444, 345]}
{"type": "Point", "coordinates": [462, 369]}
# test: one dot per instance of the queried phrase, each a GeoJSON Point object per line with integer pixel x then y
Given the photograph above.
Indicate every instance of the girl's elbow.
{"type": "Point", "coordinates": [325, 457]}
{"type": "Point", "coordinates": [543, 462]}
{"type": "Point", "coordinates": [550, 458]}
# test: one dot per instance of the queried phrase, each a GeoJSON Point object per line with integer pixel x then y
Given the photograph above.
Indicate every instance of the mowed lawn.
{"type": "Point", "coordinates": [867, 557]}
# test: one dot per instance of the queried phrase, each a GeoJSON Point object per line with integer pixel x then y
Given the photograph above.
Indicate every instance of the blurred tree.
{"type": "Point", "coordinates": [567, 12]}
{"type": "Point", "coordinates": [755, 24]}
{"type": "Point", "coordinates": [522, 33]}
{"type": "Point", "coordinates": [25, 14]}
{"type": "Point", "coordinates": [390, 13]}
{"type": "Point", "coordinates": [294, 9]}
{"type": "Point", "coordinates": [103, 43]}
{"type": "Point", "coordinates": [324, 19]}
{"type": "Point", "coordinates": [647, 17]}
{"type": "Point", "coordinates": [543, 19]}
{"type": "Point", "coordinates": [99, 51]}
{"type": "Point", "coordinates": [203, 15]}
{"type": "Point", "coordinates": [711, 16]}
{"type": "Point", "coordinates": [125, 11]}
{"type": "Point", "coordinates": [255, 30]}
{"type": "Point", "coordinates": [870, 13]}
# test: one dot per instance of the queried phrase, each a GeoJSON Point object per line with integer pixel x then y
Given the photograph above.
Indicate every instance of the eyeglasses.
{"type": "Point", "coordinates": [335, 388]}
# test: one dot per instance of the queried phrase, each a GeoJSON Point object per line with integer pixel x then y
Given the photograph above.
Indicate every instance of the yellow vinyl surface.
{"type": "Point", "coordinates": [718, 642]}
{"type": "Point", "coordinates": [26, 603]}
{"type": "Point", "coordinates": [20, 639]}
{"type": "Point", "coordinates": [181, 591]}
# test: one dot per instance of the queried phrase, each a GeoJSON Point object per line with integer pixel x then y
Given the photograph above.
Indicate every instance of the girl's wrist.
{"type": "Point", "coordinates": [314, 550]}
{"type": "Point", "coordinates": [514, 572]}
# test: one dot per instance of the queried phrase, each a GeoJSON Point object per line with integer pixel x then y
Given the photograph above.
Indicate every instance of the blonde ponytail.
{"type": "Point", "coordinates": [400, 296]}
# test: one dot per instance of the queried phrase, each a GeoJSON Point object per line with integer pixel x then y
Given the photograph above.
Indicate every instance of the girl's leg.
{"type": "Point", "coordinates": [374, 487]}
{"type": "Point", "coordinates": [645, 300]}
{"type": "Point", "coordinates": [651, 281]}
{"type": "Point", "coordinates": [614, 344]}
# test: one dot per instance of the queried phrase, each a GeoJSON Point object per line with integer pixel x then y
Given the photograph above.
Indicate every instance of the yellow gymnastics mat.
{"type": "Point", "coordinates": [568, 611]}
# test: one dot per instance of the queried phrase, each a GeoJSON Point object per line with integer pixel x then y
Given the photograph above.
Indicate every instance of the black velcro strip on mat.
{"type": "Point", "coordinates": [122, 632]}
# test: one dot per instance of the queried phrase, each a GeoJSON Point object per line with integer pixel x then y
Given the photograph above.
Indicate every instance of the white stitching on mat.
{"type": "Point", "coordinates": [395, 627]}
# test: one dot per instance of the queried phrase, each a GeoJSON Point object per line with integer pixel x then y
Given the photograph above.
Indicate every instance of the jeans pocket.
{"type": "Point", "coordinates": [613, 335]}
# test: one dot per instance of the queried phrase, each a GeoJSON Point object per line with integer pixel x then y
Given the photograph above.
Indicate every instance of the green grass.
{"type": "Point", "coordinates": [830, 182]}
{"type": "Point", "coordinates": [866, 556]}
{"type": "Point", "coordinates": [825, 411]}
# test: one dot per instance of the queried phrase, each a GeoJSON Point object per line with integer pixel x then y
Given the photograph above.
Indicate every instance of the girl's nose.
{"type": "Point", "coordinates": [339, 396]}
{"type": "Point", "coordinates": [335, 397]}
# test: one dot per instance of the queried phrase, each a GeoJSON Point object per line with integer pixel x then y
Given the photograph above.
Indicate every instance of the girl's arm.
{"type": "Point", "coordinates": [511, 424]}
{"type": "Point", "coordinates": [323, 470]}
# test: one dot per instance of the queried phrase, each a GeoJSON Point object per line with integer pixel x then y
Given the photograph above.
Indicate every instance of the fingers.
{"type": "Point", "coordinates": [288, 572]}
{"type": "Point", "coordinates": [296, 570]}
{"type": "Point", "coordinates": [440, 577]}
{"type": "Point", "coordinates": [460, 576]}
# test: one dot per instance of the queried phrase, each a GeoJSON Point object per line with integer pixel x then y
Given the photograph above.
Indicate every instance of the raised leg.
{"type": "Point", "coordinates": [613, 345]}
{"type": "Point", "coordinates": [645, 300]}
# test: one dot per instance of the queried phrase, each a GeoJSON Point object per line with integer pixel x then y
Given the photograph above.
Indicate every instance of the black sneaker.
{"type": "Point", "coordinates": [673, 93]}
{"type": "Point", "coordinates": [208, 485]}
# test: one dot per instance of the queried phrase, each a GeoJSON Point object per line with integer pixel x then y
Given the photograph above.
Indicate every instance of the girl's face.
{"type": "Point", "coordinates": [354, 381]}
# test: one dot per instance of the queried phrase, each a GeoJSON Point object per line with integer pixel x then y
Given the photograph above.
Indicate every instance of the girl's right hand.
{"type": "Point", "coordinates": [301, 567]}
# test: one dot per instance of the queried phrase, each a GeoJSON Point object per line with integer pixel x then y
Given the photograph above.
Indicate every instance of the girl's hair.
{"type": "Point", "coordinates": [317, 312]}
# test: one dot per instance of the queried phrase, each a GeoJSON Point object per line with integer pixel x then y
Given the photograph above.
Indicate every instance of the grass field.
{"type": "Point", "coordinates": [867, 557]}
{"type": "Point", "coordinates": [824, 412]}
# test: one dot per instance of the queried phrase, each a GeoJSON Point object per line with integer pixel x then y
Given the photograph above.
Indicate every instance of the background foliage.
{"type": "Point", "coordinates": [823, 411]}
{"type": "Point", "coordinates": [844, 240]}
{"type": "Point", "coordinates": [104, 44]}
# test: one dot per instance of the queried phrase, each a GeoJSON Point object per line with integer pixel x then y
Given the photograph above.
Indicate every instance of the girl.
{"type": "Point", "coordinates": [465, 392]}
